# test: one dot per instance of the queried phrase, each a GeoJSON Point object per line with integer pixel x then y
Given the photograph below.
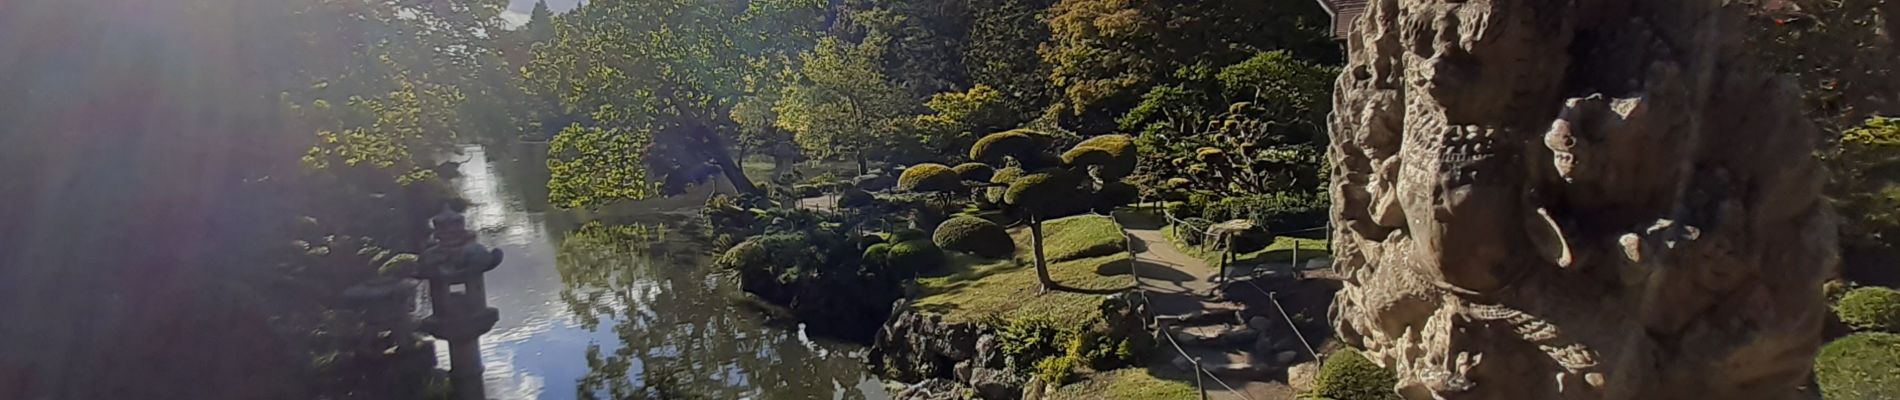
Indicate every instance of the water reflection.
{"type": "Point", "coordinates": [623, 311]}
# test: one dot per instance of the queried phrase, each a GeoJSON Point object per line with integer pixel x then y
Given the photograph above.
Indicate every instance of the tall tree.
{"type": "Point", "coordinates": [540, 23]}
{"type": "Point", "coordinates": [842, 105]}
{"type": "Point", "coordinates": [1104, 54]}
{"type": "Point", "coordinates": [658, 80]}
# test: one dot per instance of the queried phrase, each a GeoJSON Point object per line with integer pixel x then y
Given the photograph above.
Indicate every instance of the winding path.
{"type": "Point", "coordinates": [1184, 297]}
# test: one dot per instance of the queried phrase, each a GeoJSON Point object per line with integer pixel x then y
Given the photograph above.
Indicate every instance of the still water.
{"type": "Point", "coordinates": [586, 316]}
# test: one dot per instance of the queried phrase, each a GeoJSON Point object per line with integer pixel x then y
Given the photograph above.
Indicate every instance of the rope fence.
{"type": "Point", "coordinates": [1161, 329]}
{"type": "Point", "coordinates": [1272, 297]}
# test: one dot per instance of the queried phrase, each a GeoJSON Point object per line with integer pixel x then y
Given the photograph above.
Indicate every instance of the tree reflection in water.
{"type": "Point", "coordinates": [681, 333]}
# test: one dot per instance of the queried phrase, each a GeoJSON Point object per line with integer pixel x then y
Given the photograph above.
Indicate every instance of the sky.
{"type": "Point", "coordinates": [517, 12]}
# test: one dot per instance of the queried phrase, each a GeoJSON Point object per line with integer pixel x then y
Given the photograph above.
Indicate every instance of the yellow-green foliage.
{"type": "Point", "coordinates": [975, 172]}
{"type": "Point", "coordinates": [929, 178]}
{"type": "Point", "coordinates": [975, 236]}
{"type": "Point", "coordinates": [1860, 366]}
{"type": "Point", "coordinates": [1127, 383]}
{"type": "Point", "coordinates": [1042, 192]}
{"type": "Point", "coordinates": [878, 254]}
{"type": "Point", "coordinates": [993, 149]}
{"type": "Point", "coordinates": [1003, 176]}
{"type": "Point", "coordinates": [1056, 370]}
{"type": "Point", "coordinates": [1114, 154]}
{"type": "Point", "coordinates": [1346, 375]}
{"type": "Point", "coordinates": [1870, 308]}
{"type": "Point", "coordinates": [915, 256]}
{"type": "Point", "coordinates": [747, 253]}
{"type": "Point", "coordinates": [1076, 237]}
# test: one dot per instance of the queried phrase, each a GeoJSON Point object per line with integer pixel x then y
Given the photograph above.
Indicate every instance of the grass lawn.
{"type": "Point", "coordinates": [971, 289]}
{"type": "Point", "coordinates": [1280, 251]}
{"type": "Point", "coordinates": [1126, 383]}
{"type": "Point", "coordinates": [1071, 238]}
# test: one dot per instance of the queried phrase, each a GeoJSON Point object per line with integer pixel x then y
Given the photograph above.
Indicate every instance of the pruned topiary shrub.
{"type": "Point", "coordinates": [1870, 308]}
{"type": "Point", "coordinates": [992, 149]}
{"type": "Point", "coordinates": [914, 256]}
{"type": "Point", "coordinates": [975, 236]}
{"type": "Point", "coordinates": [1346, 375]}
{"type": "Point", "coordinates": [907, 234]}
{"type": "Point", "coordinates": [975, 172]}
{"type": "Point", "coordinates": [878, 255]}
{"type": "Point", "coordinates": [929, 178]}
{"type": "Point", "coordinates": [856, 198]}
{"type": "Point", "coordinates": [1113, 155]}
{"type": "Point", "coordinates": [1864, 365]}
{"type": "Point", "coordinates": [1276, 212]}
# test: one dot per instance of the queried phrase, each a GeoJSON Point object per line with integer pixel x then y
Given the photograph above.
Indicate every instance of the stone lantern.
{"type": "Point", "coordinates": [453, 264]}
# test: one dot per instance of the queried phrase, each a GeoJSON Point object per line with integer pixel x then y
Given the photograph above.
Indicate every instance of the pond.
{"type": "Point", "coordinates": [609, 311]}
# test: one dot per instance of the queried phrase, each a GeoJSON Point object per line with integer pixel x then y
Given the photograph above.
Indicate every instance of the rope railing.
{"type": "Point", "coordinates": [1159, 329]}
{"type": "Point", "coordinates": [1272, 297]}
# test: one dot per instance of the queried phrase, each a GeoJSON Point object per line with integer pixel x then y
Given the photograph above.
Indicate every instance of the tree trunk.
{"type": "Point", "coordinates": [1042, 266]}
{"type": "Point", "coordinates": [864, 167]}
{"type": "Point", "coordinates": [720, 155]}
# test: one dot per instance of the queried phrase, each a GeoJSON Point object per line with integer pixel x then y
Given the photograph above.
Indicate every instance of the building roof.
{"type": "Point", "coordinates": [1344, 12]}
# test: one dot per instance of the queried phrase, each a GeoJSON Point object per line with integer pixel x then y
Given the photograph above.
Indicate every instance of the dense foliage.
{"type": "Point", "coordinates": [1870, 308]}
{"type": "Point", "coordinates": [975, 236]}
{"type": "Point", "coordinates": [1860, 366]}
{"type": "Point", "coordinates": [1347, 375]}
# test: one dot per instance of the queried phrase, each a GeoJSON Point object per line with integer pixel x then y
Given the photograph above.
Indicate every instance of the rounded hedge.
{"type": "Point", "coordinates": [1870, 308]}
{"type": "Point", "coordinates": [994, 148]}
{"type": "Point", "coordinates": [907, 234]}
{"type": "Point", "coordinates": [929, 178]}
{"type": "Point", "coordinates": [1002, 176]}
{"type": "Point", "coordinates": [855, 198]}
{"type": "Point", "coordinates": [1041, 192]}
{"type": "Point", "coordinates": [1114, 154]}
{"type": "Point", "coordinates": [975, 236]}
{"type": "Point", "coordinates": [1115, 194]}
{"type": "Point", "coordinates": [878, 254]}
{"type": "Point", "coordinates": [1346, 375]}
{"type": "Point", "coordinates": [916, 255]}
{"type": "Point", "coordinates": [1860, 366]}
{"type": "Point", "coordinates": [975, 172]}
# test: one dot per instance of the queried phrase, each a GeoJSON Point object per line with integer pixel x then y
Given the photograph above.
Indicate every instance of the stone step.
{"type": "Point", "coordinates": [1215, 335]}
{"type": "Point", "coordinates": [1209, 314]}
{"type": "Point", "coordinates": [1235, 364]}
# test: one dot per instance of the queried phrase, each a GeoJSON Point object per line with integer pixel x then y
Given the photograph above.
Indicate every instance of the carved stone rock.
{"type": "Point", "coordinates": [1598, 199]}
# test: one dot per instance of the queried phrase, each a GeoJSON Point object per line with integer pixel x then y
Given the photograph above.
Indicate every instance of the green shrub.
{"type": "Point", "coordinates": [916, 255]}
{"type": "Point", "coordinates": [1113, 154]}
{"type": "Point", "coordinates": [877, 255]}
{"type": "Point", "coordinates": [1043, 193]}
{"type": "Point", "coordinates": [975, 236]}
{"type": "Point", "coordinates": [1115, 194]}
{"type": "Point", "coordinates": [1027, 341]}
{"type": "Point", "coordinates": [1870, 308]}
{"type": "Point", "coordinates": [1860, 366]}
{"type": "Point", "coordinates": [868, 240]}
{"type": "Point", "coordinates": [1346, 375]}
{"type": "Point", "coordinates": [1056, 370]}
{"type": "Point", "coordinates": [1834, 289]}
{"type": "Point", "coordinates": [975, 172]}
{"type": "Point", "coordinates": [907, 234]}
{"type": "Point", "coordinates": [1276, 212]}
{"type": "Point", "coordinates": [741, 256]}
{"type": "Point", "coordinates": [994, 148]}
{"type": "Point", "coordinates": [929, 178]}
{"type": "Point", "coordinates": [1003, 176]}
{"type": "Point", "coordinates": [856, 198]}
{"type": "Point", "coordinates": [1192, 231]}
